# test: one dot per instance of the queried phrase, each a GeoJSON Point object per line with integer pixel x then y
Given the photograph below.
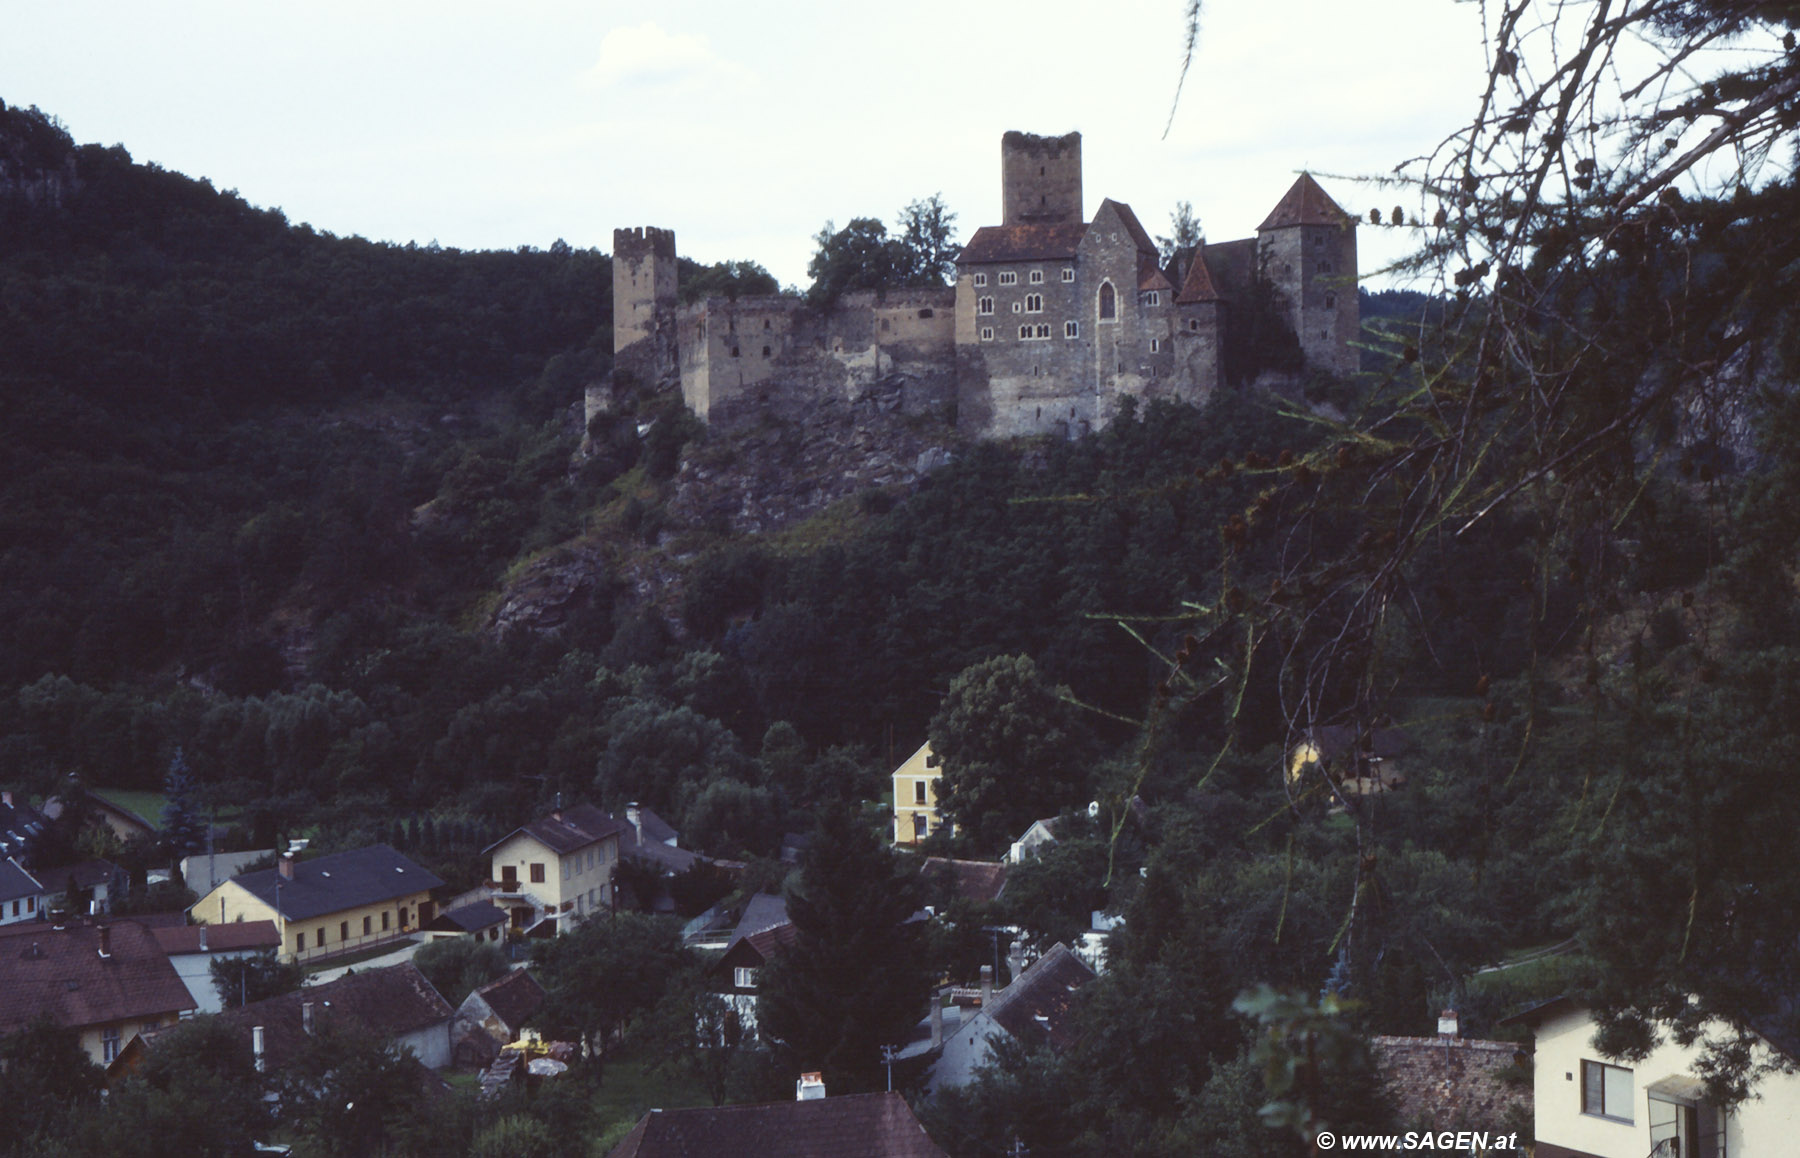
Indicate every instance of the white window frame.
{"type": "Point", "coordinates": [1609, 1084]}
{"type": "Point", "coordinates": [1071, 329]}
{"type": "Point", "coordinates": [1037, 277]}
{"type": "Point", "coordinates": [1009, 277]}
{"type": "Point", "coordinates": [1068, 273]}
{"type": "Point", "coordinates": [1043, 330]}
{"type": "Point", "coordinates": [1024, 333]}
{"type": "Point", "coordinates": [980, 280]}
{"type": "Point", "coordinates": [1018, 307]}
{"type": "Point", "coordinates": [1153, 297]}
{"type": "Point", "coordinates": [743, 977]}
{"type": "Point", "coordinates": [987, 333]}
{"type": "Point", "coordinates": [1034, 303]}
{"type": "Point", "coordinates": [1156, 345]}
{"type": "Point", "coordinates": [984, 306]}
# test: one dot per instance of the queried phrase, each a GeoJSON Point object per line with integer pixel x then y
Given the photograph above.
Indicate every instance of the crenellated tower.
{"type": "Point", "coordinates": [1040, 179]}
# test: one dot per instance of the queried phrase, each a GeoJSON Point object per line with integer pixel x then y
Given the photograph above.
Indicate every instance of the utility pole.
{"type": "Point", "coordinates": [888, 1053]}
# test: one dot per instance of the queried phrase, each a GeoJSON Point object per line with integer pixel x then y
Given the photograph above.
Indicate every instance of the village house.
{"type": "Point", "coordinates": [915, 797]}
{"type": "Point", "coordinates": [88, 888]}
{"type": "Point", "coordinates": [20, 827]}
{"type": "Point", "coordinates": [1035, 1010]}
{"type": "Point", "coordinates": [21, 895]}
{"type": "Point", "coordinates": [107, 982]}
{"type": "Point", "coordinates": [192, 949]}
{"type": "Point", "coordinates": [493, 1016]}
{"type": "Point", "coordinates": [395, 1002]}
{"type": "Point", "coordinates": [763, 933]}
{"type": "Point", "coordinates": [557, 870]}
{"type": "Point", "coordinates": [1587, 1105]}
{"type": "Point", "coordinates": [328, 905]}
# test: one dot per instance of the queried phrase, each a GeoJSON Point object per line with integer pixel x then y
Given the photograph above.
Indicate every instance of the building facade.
{"type": "Point", "coordinates": [1055, 319]}
{"type": "Point", "coordinates": [915, 797]}
{"type": "Point", "coordinates": [556, 870]}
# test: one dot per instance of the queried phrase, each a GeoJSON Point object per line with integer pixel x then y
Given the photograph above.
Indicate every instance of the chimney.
{"type": "Point", "coordinates": [286, 866]}
{"type": "Point", "coordinates": [556, 813]}
{"type": "Point", "coordinates": [1447, 1023]}
{"type": "Point", "coordinates": [635, 816]}
{"type": "Point", "coordinates": [810, 1088]}
{"type": "Point", "coordinates": [987, 985]}
{"type": "Point", "coordinates": [256, 1047]}
{"type": "Point", "coordinates": [105, 942]}
{"type": "Point", "coordinates": [306, 1016]}
{"type": "Point", "coordinates": [6, 798]}
{"type": "Point", "coordinates": [937, 1022]}
{"type": "Point", "coordinates": [203, 948]}
{"type": "Point", "coordinates": [1015, 961]}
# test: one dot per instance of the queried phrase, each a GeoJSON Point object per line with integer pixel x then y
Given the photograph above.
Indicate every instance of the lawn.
{"type": "Point", "coordinates": [148, 805]}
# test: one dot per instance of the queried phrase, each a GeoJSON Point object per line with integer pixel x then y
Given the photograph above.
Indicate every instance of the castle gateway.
{"type": "Point", "coordinates": [1052, 321]}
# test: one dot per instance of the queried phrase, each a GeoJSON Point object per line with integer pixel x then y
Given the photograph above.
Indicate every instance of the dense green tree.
{"type": "Point", "coordinates": [1012, 750]}
{"type": "Point", "coordinates": [855, 978]}
{"type": "Point", "coordinates": [606, 977]}
{"type": "Point", "coordinates": [46, 1080]}
{"type": "Point", "coordinates": [928, 240]}
{"type": "Point", "coordinates": [198, 1092]}
{"type": "Point", "coordinates": [860, 256]}
{"type": "Point", "coordinates": [457, 965]}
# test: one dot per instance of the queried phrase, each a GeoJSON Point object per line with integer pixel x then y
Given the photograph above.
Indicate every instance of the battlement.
{"type": "Point", "coordinates": [644, 241]}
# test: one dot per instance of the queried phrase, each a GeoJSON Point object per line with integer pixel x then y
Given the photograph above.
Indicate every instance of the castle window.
{"type": "Point", "coordinates": [765, 351]}
{"type": "Point", "coordinates": [984, 305]}
{"type": "Point", "coordinates": [1324, 267]}
{"type": "Point", "coordinates": [1109, 303]}
{"type": "Point", "coordinates": [1037, 277]}
{"type": "Point", "coordinates": [734, 351]}
{"type": "Point", "coordinates": [1155, 345]}
{"type": "Point", "coordinates": [884, 325]}
{"type": "Point", "coordinates": [981, 279]}
{"type": "Point", "coordinates": [1068, 273]}
{"type": "Point", "coordinates": [1043, 330]}
{"type": "Point", "coordinates": [1330, 300]}
{"type": "Point", "coordinates": [1071, 329]}
{"type": "Point", "coordinates": [1007, 277]}
{"type": "Point", "coordinates": [987, 333]}
{"type": "Point", "coordinates": [1034, 303]}
{"type": "Point", "coordinates": [1018, 307]}
{"type": "Point", "coordinates": [1024, 332]}
{"type": "Point", "coordinates": [927, 313]}
{"type": "Point", "coordinates": [1193, 323]}
{"type": "Point", "coordinates": [1153, 298]}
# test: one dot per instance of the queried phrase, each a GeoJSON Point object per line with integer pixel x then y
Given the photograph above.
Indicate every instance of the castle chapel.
{"type": "Point", "coordinates": [1053, 320]}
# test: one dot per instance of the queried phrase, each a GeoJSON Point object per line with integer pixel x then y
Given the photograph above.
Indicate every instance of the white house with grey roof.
{"type": "Point", "coordinates": [340, 903]}
{"type": "Point", "coordinates": [21, 896]}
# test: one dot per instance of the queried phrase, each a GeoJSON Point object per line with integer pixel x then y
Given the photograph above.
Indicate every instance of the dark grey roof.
{"type": "Point", "coordinates": [388, 1002]}
{"type": "Point", "coordinates": [1036, 1008]}
{"type": "Point", "coordinates": [470, 918]}
{"type": "Point", "coordinates": [17, 884]}
{"type": "Point", "coordinates": [20, 826]}
{"type": "Point", "coordinates": [764, 912]}
{"type": "Point", "coordinates": [513, 998]}
{"type": "Point", "coordinates": [567, 830]}
{"type": "Point", "coordinates": [342, 880]}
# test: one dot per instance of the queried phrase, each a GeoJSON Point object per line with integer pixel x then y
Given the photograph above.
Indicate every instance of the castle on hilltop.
{"type": "Point", "coordinates": [1053, 319]}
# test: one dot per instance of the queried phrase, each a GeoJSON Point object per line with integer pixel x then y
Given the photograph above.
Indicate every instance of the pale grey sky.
{"type": "Point", "coordinates": [743, 127]}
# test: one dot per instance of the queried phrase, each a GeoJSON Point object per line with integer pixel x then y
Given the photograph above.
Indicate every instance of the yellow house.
{"type": "Point", "coordinates": [915, 797]}
{"type": "Point", "coordinates": [328, 905]}
{"type": "Point", "coordinates": [107, 982]}
{"type": "Point", "coordinates": [558, 869]}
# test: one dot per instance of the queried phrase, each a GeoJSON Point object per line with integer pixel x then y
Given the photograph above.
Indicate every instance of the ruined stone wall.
{"type": "Point", "coordinates": [644, 295]}
{"type": "Point", "coordinates": [777, 356]}
{"type": "Point", "coordinates": [1313, 268]}
{"type": "Point", "coordinates": [1040, 178]}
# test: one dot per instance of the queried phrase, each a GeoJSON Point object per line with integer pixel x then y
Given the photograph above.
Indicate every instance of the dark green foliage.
{"type": "Point", "coordinates": [855, 978]}
{"type": "Point", "coordinates": [726, 279]}
{"type": "Point", "coordinates": [197, 1093]}
{"type": "Point", "coordinates": [183, 829]}
{"type": "Point", "coordinates": [350, 1094]}
{"type": "Point", "coordinates": [45, 1079]}
{"type": "Point", "coordinates": [457, 965]}
{"type": "Point", "coordinates": [606, 976]}
{"type": "Point", "coordinates": [254, 977]}
{"type": "Point", "coordinates": [1054, 897]}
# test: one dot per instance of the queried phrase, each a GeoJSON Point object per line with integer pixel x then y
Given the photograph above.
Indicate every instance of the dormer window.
{"type": "Point", "coordinates": [1153, 298]}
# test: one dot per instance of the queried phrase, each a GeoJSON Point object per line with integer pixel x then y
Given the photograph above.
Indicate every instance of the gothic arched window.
{"type": "Point", "coordinates": [1109, 305]}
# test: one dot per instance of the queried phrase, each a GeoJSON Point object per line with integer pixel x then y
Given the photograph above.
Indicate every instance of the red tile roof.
{"type": "Point", "coordinates": [229, 938]}
{"type": "Point", "coordinates": [1305, 204]}
{"type": "Point", "coordinates": [1036, 1008]}
{"type": "Point", "coordinates": [60, 973]}
{"type": "Point", "coordinates": [387, 1002]}
{"type": "Point", "coordinates": [993, 243]}
{"type": "Point", "coordinates": [854, 1126]}
{"type": "Point", "coordinates": [1198, 285]}
{"type": "Point", "coordinates": [975, 880]}
{"type": "Point", "coordinates": [1132, 225]}
{"type": "Point", "coordinates": [513, 998]}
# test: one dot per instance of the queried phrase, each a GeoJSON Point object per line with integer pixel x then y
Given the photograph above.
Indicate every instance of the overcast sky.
{"type": "Point", "coordinates": [742, 126]}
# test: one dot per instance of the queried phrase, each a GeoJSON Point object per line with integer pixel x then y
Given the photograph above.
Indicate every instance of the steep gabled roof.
{"type": "Point", "coordinates": [1036, 1007]}
{"type": "Point", "coordinates": [975, 880]}
{"type": "Point", "coordinates": [1132, 226]}
{"type": "Point", "coordinates": [60, 974]}
{"type": "Point", "coordinates": [342, 880]}
{"type": "Point", "coordinates": [513, 998]}
{"type": "Point", "coordinates": [567, 830]}
{"type": "Point", "coordinates": [1198, 285]}
{"type": "Point", "coordinates": [993, 243]}
{"type": "Point", "coordinates": [1305, 203]}
{"type": "Point", "coordinates": [854, 1126]}
{"type": "Point", "coordinates": [16, 883]}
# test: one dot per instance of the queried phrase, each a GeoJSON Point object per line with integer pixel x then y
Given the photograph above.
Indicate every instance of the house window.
{"type": "Point", "coordinates": [1606, 1091]}
{"type": "Point", "coordinates": [385, 915]}
{"type": "Point", "coordinates": [15, 908]}
{"type": "Point", "coordinates": [918, 791]}
{"type": "Point", "coordinates": [299, 942]}
{"type": "Point", "coordinates": [31, 904]}
{"type": "Point", "coordinates": [1071, 329]}
{"type": "Point", "coordinates": [568, 867]}
{"type": "Point", "coordinates": [987, 333]}
{"type": "Point", "coordinates": [1009, 278]}
{"type": "Point", "coordinates": [980, 279]}
{"type": "Point", "coordinates": [109, 1043]}
{"type": "Point", "coordinates": [321, 931]}
{"type": "Point", "coordinates": [921, 826]}
{"type": "Point", "coordinates": [1068, 273]}
{"type": "Point", "coordinates": [1034, 303]}
{"type": "Point", "coordinates": [1193, 323]}
{"type": "Point", "coordinates": [984, 305]}
{"type": "Point", "coordinates": [509, 876]}
{"type": "Point", "coordinates": [367, 922]}
{"type": "Point", "coordinates": [744, 977]}
{"type": "Point", "coordinates": [537, 870]}
{"type": "Point", "coordinates": [343, 930]}
{"type": "Point", "coordinates": [1153, 298]}
{"type": "Point", "coordinates": [1109, 303]}
{"type": "Point", "coordinates": [1037, 277]}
